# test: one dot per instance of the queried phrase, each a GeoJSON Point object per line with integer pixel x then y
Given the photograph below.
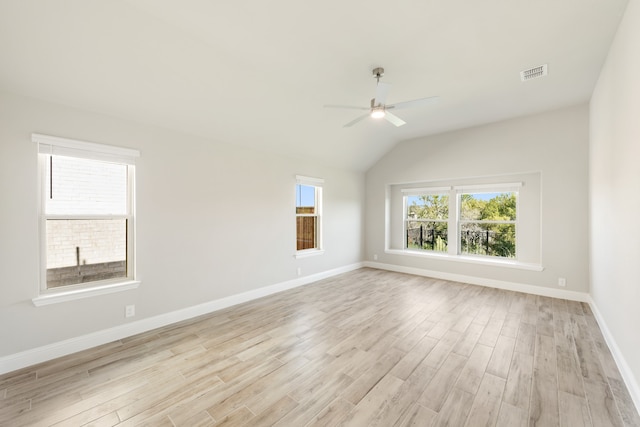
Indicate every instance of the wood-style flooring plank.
{"type": "Point", "coordinates": [442, 382]}
{"type": "Point", "coordinates": [574, 410]}
{"type": "Point", "coordinates": [399, 404]}
{"type": "Point", "coordinates": [332, 414]}
{"type": "Point", "coordinates": [543, 409]}
{"type": "Point", "coordinates": [625, 404]}
{"type": "Point", "coordinates": [518, 387]}
{"type": "Point", "coordinates": [315, 404]}
{"type": "Point", "coordinates": [369, 406]}
{"type": "Point", "coordinates": [361, 386]}
{"type": "Point", "coordinates": [240, 416]}
{"type": "Point", "coordinates": [486, 405]}
{"type": "Point", "coordinates": [602, 405]}
{"type": "Point", "coordinates": [511, 416]}
{"type": "Point", "coordinates": [272, 414]}
{"type": "Point", "coordinates": [501, 358]}
{"type": "Point", "coordinates": [417, 416]}
{"type": "Point", "coordinates": [455, 409]}
{"type": "Point", "coordinates": [473, 371]}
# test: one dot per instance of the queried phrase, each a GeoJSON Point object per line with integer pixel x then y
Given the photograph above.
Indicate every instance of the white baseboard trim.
{"type": "Point", "coordinates": [37, 355]}
{"type": "Point", "coordinates": [623, 366]}
{"type": "Point", "coordinates": [509, 286]}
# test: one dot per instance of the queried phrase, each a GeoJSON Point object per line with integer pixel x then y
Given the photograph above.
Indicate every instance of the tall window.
{"type": "Point", "coordinates": [427, 221]}
{"type": "Point", "coordinates": [488, 223]}
{"type": "Point", "coordinates": [87, 215]}
{"type": "Point", "coordinates": [485, 222]}
{"type": "Point", "coordinates": [308, 214]}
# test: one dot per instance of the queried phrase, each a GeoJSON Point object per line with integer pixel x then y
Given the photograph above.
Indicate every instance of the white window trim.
{"type": "Point", "coordinates": [306, 253]}
{"type": "Point", "coordinates": [52, 145]}
{"type": "Point", "coordinates": [468, 259]}
{"type": "Point", "coordinates": [103, 288]}
{"type": "Point", "coordinates": [318, 183]}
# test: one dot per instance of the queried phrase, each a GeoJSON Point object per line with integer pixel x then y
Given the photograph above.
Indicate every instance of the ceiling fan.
{"type": "Point", "coordinates": [379, 109]}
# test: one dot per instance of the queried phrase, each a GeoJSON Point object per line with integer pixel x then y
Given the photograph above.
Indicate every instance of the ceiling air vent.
{"type": "Point", "coordinates": [533, 73]}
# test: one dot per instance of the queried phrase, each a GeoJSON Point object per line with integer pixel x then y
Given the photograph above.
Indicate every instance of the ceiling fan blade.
{"type": "Point", "coordinates": [415, 103]}
{"type": "Point", "coordinates": [353, 122]}
{"type": "Point", "coordinates": [382, 90]}
{"type": "Point", "coordinates": [392, 118]}
{"type": "Point", "coordinates": [349, 107]}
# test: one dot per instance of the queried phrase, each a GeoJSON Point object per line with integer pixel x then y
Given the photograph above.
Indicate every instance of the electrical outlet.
{"type": "Point", "coordinates": [129, 311]}
{"type": "Point", "coordinates": [562, 281]}
{"type": "Point", "coordinates": [299, 271]}
{"type": "Point", "coordinates": [375, 257]}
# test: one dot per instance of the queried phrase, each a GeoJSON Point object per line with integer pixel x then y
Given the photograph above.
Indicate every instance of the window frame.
{"type": "Point", "coordinates": [485, 189]}
{"type": "Point", "coordinates": [317, 184]}
{"type": "Point", "coordinates": [454, 222]}
{"type": "Point", "coordinates": [48, 146]}
{"type": "Point", "coordinates": [432, 191]}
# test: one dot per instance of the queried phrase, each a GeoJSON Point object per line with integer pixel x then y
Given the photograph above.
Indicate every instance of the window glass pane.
{"type": "Point", "coordinates": [306, 227]}
{"type": "Point", "coordinates": [77, 186]}
{"type": "Point", "coordinates": [305, 199]}
{"type": "Point", "coordinates": [488, 206]}
{"type": "Point", "coordinates": [432, 206]}
{"type": "Point", "coordinates": [488, 239]}
{"type": "Point", "coordinates": [80, 251]}
{"type": "Point", "coordinates": [427, 235]}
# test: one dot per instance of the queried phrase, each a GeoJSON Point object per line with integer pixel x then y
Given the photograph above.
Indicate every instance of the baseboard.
{"type": "Point", "coordinates": [37, 355]}
{"type": "Point", "coordinates": [623, 366]}
{"type": "Point", "coordinates": [509, 286]}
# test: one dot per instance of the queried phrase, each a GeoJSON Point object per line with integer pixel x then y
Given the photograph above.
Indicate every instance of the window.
{"type": "Point", "coordinates": [308, 214]}
{"type": "Point", "coordinates": [427, 221]}
{"type": "Point", "coordinates": [485, 222]}
{"type": "Point", "coordinates": [86, 215]}
{"type": "Point", "coordinates": [488, 223]}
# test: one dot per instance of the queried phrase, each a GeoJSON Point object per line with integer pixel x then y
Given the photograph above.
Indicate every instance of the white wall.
{"type": "Point", "coordinates": [213, 221]}
{"type": "Point", "coordinates": [615, 193]}
{"type": "Point", "coordinates": [555, 144]}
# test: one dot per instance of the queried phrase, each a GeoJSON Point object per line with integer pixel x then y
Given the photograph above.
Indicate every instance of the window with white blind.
{"type": "Point", "coordinates": [87, 222]}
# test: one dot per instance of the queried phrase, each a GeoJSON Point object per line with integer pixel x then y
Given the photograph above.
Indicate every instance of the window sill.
{"type": "Point", "coordinates": [56, 297]}
{"type": "Point", "coordinates": [468, 259]}
{"type": "Point", "coordinates": [307, 253]}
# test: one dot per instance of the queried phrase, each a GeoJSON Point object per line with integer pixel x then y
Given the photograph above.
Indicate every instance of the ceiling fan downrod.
{"type": "Point", "coordinates": [377, 73]}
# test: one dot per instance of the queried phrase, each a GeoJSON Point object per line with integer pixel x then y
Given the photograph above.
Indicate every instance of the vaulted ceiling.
{"type": "Point", "coordinates": [257, 73]}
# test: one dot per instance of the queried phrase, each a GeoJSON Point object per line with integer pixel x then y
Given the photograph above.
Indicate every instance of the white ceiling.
{"type": "Point", "coordinates": [257, 73]}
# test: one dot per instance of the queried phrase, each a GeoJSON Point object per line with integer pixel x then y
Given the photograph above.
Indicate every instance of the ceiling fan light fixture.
{"type": "Point", "coordinates": [377, 113]}
{"type": "Point", "coordinates": [378, 107]}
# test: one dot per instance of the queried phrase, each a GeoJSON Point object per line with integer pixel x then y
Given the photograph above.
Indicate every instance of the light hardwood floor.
{"type": "Point", "coordinates": [366, 348]}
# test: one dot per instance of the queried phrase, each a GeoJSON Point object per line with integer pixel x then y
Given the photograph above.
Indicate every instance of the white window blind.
{"type": "Point", "coordinates": [425, 190]}
{"type": "Point", "coordinates": [488, 188]}
{"type": "Point", "coordinates": [57, 146]}
{"type": "Point", "coordinates": [306, 180]}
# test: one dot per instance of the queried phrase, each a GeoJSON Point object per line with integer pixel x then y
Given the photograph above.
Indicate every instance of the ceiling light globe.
{"type": "Point", "coordinates": [377, 113]}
